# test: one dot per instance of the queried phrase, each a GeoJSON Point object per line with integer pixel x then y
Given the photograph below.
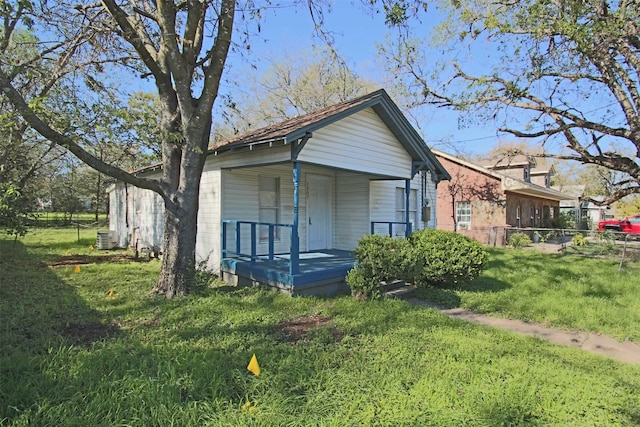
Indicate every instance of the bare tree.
{"type": "Point", "coordinates": [294, 84]}
{"type": "Point", "coordinates": [565, 73]}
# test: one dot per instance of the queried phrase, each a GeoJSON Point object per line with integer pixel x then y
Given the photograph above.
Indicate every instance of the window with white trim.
{"type": "Point", "coordinates": [400, 211]}
{"type": "Point", "coordinates": [269, 205]}
{"type": "Point", "coordinates": [463, 214]}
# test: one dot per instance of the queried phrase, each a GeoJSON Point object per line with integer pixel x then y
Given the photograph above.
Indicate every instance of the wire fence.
{"type": "Point", "coordinates": [590, 243]}
{"type": "Point", "coordinates": [60, 219]}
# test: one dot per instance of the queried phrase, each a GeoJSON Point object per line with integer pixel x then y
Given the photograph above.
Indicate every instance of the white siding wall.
{"type": "Point", "coordinates": [383, 203]}
{"type": "Point", "coordinates": [350, 152]}
{"type": "Point", "coordinates": [240, 202]}
{"type": "Point", "coordinates": [118, 214]}
{"type": "Point", "coordinates": [136, 215]}
{"type": "Point", "coordinates": [209, 218]}
{"type": "Point", "coordinates": [360, 142]}
{"type": "Point", "coordinates": [350, 214]}
{"type": "Point", "coordinates": [351, 209]}
{"type": "Point", "coordinates": [431, 197]}
{"type": "Point", "coordinates": [148, 218]}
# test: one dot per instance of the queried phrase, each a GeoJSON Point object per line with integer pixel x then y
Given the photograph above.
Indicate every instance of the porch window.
{"type": "Point", "coordinates": [269, 205]}
{"type": "Point", "coordinates": [463, 215]}
{"type": "Point", "coordinates": [400, 211]}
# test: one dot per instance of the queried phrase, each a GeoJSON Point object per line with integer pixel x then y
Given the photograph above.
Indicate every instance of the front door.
{"type": "Point", "coordinates": [319, 212]}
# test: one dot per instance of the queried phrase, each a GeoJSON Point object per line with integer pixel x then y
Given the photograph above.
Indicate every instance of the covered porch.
{"type": "Point", "coordinates": [285, 255]}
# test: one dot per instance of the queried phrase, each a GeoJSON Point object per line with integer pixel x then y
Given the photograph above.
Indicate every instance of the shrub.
{"type": "Point", "coordinates": [379, 258]}
{"type": "Point", "coordinates": [519, 240]}
{"type": "Point", "coordinates": [361, 285]}
{"type": "Point", "coordinates": [564, 220]}
{"type": "Point", "coordinates": [579, 240]}
{"type": "Point", "coordinates": [444, 258]}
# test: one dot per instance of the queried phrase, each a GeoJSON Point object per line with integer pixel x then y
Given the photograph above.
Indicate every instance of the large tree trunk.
{"type": "Point", "coordinates": [179, 253]}
{"type": "Point", "coordinates": [182, 169]}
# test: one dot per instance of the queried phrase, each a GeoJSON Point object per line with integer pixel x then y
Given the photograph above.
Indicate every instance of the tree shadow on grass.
{"type": "Point", "coordinates": [39, 314]}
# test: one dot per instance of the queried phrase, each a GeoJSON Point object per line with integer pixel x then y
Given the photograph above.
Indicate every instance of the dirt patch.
{"type": "Point", "coordinates": [293, 330]}
{"type": "Point", "coordinates": [625, 351]}
{"type": "Point", "coordinates": [86, 335]}
{"type": "Point", "coordinates": [71, 260]}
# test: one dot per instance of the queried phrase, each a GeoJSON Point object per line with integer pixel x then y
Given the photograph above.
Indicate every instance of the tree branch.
{"type": "Point", "coordinates": [52, 135]}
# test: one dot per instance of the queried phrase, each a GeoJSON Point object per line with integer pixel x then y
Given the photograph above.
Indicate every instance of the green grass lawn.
{"type": "Point", "coordinates": [567, 291]}
{"type": "Point", "coordinates": [71, 355]}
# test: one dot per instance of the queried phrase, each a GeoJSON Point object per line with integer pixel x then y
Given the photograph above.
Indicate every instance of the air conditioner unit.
{"type": "Point", "coordinates": [106, 239]}
{"type": "Point", "coordinates": [463, 226]}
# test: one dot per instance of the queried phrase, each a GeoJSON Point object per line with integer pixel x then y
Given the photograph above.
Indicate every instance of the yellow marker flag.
{"type": "Point", "coordinates": [77, 269]}
{"type": "Point", "coordinates": [111, 294]}
{"type": "Point", "coordinates": [253, 366]}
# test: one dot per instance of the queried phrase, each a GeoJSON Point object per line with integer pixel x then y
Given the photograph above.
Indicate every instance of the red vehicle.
{"type": "Point", "coordinates": [627, 225]}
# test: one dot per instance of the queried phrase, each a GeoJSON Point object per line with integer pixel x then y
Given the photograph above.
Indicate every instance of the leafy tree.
{"type": "Point", "coordinates": [15, 210]}
{"type": "Point", "coordinates": [565, 73]}
{"type": "Point", "coordinates": [127, 135]}
{"type": "Point", "coordinates": [628, 207]}
{"type": "Point", "coordinates": [25, 157]}
{"type": "Point", "coordinates": [181, 47]}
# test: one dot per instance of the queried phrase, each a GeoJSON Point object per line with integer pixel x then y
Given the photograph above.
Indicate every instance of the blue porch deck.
{"type": "Point", "coordinates": [320, 272]}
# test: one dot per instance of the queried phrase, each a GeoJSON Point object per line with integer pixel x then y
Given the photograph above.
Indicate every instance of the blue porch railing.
{"type": "Point", "coordinates": [240, 227]}
{"type": "Point", "coordinates": [390, 224]}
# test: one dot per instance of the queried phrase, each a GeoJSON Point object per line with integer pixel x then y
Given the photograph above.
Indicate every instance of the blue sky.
{"type": "Point", "coordinates": [356, 31]}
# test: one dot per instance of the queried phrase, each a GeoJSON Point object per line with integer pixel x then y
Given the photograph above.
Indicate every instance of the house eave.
{"type": "Point", "coordinates": [520, 187]}
{"type": "Point", "coordinates": [249, 146]}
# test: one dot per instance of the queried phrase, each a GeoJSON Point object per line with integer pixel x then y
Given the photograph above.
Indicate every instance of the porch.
{"type": "Point", "coordinates": [298, 235]}
{"type": "Point", "coordinates": [319, 272]}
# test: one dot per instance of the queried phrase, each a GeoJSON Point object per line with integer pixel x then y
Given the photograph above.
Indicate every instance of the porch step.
{"type": "Point", "coordinates": [398, 289]}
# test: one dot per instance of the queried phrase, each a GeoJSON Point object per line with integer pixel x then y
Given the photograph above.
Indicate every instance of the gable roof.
{"type": "Point", "coordinates": [296, 128]}
{"type": "Point", "coordinates": [508, 184]}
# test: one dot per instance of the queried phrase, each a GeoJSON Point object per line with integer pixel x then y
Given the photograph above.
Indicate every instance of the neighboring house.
{"type": "Point", "coordinates": [483, 202]}
{"type": "Point", "coordinates": [286, 205]}
{"type": "Point", "coordinates": [586, 213]}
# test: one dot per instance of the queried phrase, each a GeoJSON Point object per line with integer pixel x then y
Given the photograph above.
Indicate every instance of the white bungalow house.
{"type": "Point", "coordinates": [286, 205]}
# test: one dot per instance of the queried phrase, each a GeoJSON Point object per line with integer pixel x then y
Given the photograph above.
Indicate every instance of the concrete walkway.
{"type": "Point", "coordinates": [622, 351]}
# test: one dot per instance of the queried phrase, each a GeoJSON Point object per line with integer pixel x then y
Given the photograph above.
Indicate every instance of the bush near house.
{"type": "Point", "coordinates": [444, 258]}
{"type": "Point", "coordinates": [379, 259]}
{"type": "Point", "coordinates": [427, 258]}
